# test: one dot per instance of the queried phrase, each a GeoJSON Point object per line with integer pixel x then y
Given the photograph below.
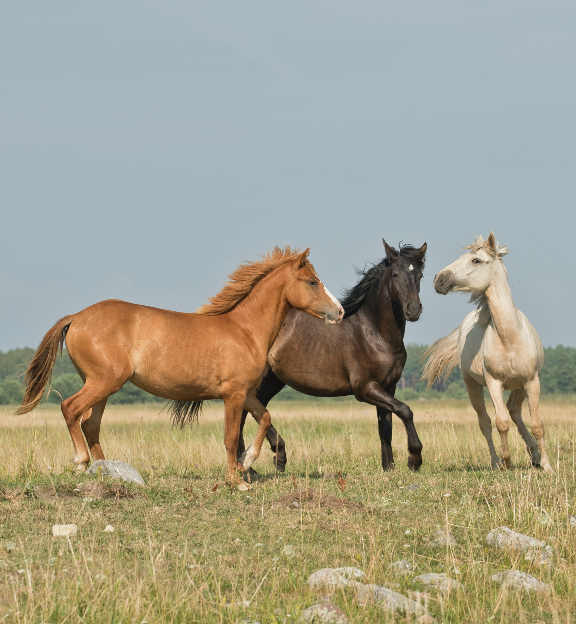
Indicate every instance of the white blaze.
{"type": "Point", "coordinates": [410, 268]}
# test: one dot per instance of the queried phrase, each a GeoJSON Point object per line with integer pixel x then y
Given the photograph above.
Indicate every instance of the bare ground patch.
{"type": "Point", "coordinates": [315, 499]}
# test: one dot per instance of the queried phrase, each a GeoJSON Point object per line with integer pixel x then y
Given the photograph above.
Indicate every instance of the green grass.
{"type": "Point", "coordinates": [184, 553]}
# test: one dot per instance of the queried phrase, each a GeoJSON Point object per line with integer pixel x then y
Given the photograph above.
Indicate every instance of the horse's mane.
{"type": "Point", "coordinates": [353, 298]}
{"type": "Point", "coordinates": [479, 299]}
{"type": "Point", "coordinates": [243, 280]}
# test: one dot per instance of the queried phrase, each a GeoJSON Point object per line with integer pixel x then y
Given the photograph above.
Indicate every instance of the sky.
{"type": "Point", "coordinates": [147, 148]}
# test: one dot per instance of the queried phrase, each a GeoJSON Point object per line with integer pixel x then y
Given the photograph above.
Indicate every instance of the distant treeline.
{"type": "Point", "coordinates": [557, 377]}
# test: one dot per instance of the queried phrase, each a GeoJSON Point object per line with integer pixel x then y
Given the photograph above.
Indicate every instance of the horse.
{"type": "Point", "coordinates": [363, 356]}
{"type": "Point", "coordinates": [496, 347]}
{"type": "Point", "coordinates": [219, 352]}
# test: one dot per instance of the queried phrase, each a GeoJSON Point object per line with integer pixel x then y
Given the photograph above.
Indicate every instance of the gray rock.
{"type": "Point", "coordinates": [442, 581]}
{"type": "Point", "coordinates": [537, 551]}
{"type": "Point", "coordinates": [514, 579]}
{"type": "Point", "coordinates": [388, 600]}
{"type": "Point", "coordinates": [572, 522]}
{"type": "Point", "coordinates": [330, 613]}
{"type": "Point", "coordinates": [11, 546]}
{"type": "Point", "coordinates": [116, 470]}
{"type": "Point", "coordinates": [442, 538]}
{"type": "Point", "coordinates": [403, 567]}
{"type": "Point", "coordinates": [335, 577]}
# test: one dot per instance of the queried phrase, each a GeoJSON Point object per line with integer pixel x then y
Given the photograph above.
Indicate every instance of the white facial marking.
{"type": "Point", "coordinates": [410, 268]}
{"type": "Point", "coordinates": [332, 297]}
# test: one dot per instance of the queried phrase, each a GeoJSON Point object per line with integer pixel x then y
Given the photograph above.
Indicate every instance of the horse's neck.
{"type": "Point", "coordinates": [502, 309]}
{"type": "Point", "coordinates": [388, 318]}
{"type": "Point", "coordinates": [263, 311]}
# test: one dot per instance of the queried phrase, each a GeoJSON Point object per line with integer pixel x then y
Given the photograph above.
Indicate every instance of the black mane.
{"type": "Point", "coordinates": [353, 298]}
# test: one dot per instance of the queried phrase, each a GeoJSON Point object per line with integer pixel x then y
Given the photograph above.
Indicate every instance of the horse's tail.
{"type": "Point", "coordinates": [442, 358]}
{"type": "Point", "coordinates": [38, 375]}
{"type": "Point", "coordinates": [183, 413]}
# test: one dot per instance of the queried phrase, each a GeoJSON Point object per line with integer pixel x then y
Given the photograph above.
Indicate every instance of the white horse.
{"type": "Point", "coordinates": [495, 346]}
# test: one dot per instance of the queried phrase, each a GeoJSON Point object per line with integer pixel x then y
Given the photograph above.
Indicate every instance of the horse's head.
{"type": "Point", "coordinates": [405, 273]}
{"type": "Point", "coordinates": [305, 291]}
{"type": "Point", "coordinates": [474, 271]}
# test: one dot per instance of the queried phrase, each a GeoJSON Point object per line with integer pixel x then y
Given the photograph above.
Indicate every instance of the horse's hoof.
{"type": "Point", "coordinates": [81, 467]}
{"type": "Point", "coordinates": [279, 467]}
{"type": "Point", "coordinates": [414, 463]}
{"type": "Point", "coordinates": [389, 467]}
{"type": "Point", "coordinates": [243, 487]}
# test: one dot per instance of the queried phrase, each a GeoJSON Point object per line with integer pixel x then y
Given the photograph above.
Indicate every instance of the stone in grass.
{"type": "Point", "coordinates": [329, 613]}
{"type": "Point", "coordinates": [442, 538]}
{"type": "Point", "coordinates": [403, 567]}
{"type": "Point", "coordinates": [572, 522]}
{"type": "Point", "coordinates": [11, 546]}
{"type": "Point", "coordinates": [335, 577]}
{"type": "Point", "coordinates": [514, 579]}
{"type": "Point", "coordinates": [116, 470]}
{"type": "Point", "coordinates": [505, 538]}
{"type": "Point", "coordinates": [388, 600]}
{"type": "Point", "coordinates": [64, 530]}
{"type": "Point", "coordinates": [442, 581]}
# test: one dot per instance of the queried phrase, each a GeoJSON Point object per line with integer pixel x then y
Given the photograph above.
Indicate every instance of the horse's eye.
{"type": "Point", "coordinates": [475, 261]}
{"type": "Point", "coordinates": [313, 283]}
{"type": "Point", "coordinates": [394, 274]}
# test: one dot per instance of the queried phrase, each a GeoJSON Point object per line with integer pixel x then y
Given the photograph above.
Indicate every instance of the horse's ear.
{"type": "Point", "coordinates": [492, 241]}
{"type": "Point", "coordinates": [422, 251]}
{"type": "Point", "coordinates": [303, 259]}
{"type": "Point", "coordinates": [391, 253]}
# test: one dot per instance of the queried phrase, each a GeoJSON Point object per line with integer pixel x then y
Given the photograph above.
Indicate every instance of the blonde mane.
{"type": "Point", "coordinates": [244, 278]}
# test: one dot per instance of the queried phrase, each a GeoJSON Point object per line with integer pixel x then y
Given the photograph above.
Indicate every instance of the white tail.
{"type": "Point", "coordinates": [442, 358]}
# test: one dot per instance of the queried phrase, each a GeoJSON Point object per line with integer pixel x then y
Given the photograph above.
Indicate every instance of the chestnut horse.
{"type": "Point", "coordinates": [219, 352]}
{"type": "Point", "coordinates": [363, 356]}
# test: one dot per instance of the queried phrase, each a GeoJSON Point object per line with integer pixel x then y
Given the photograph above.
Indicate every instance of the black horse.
{"type": "Point", "coordinates": [364, 355]}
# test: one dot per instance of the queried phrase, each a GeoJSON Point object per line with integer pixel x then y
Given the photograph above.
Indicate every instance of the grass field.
{"type": "Point", "coordinates": [184, 550]}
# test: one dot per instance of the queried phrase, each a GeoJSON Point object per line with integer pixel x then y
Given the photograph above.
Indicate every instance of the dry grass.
{"type": "Point", "coordinates": [185, 550]}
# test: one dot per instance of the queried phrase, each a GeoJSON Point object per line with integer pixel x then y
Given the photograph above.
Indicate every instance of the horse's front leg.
{"type": "Point", "coordinates": [385, 433]}
{"type": "Point", "coordinates": [262, 416]}
{"type": "Point", "coordinates": [495, 389]}
{"type": "Point", "coordinates": [373, 393]}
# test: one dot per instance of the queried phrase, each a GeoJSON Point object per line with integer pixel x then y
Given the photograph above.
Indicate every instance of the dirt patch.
{"type": "Point", "coordinates": [94, 490]}
{"type": "Point", "coordinates": [99, 490]}
{"type": "Point", "coordinates": [13, 496]}
{"type": "Point", "coordinates": [313, 499]}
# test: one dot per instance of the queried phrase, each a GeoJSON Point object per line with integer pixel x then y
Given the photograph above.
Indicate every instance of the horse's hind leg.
{"type": "Point", "coordinates": [533, 392]}
{"type": "Point", "coordinates": [91, 428]}
{"type": "Point", "coordinates": [262, 415]}
{"type": "Point", "coordinates": [476, 395]}
{"type": "Point", "coordinates": [268, 389]}
{"type": "Point", "coordinates": [514, 405]}
{"type": "Point", "coordinates": [73, 408]}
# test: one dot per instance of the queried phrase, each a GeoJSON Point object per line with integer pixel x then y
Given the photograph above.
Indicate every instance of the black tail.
{"type": "Point", "coordinates": [183, 413]}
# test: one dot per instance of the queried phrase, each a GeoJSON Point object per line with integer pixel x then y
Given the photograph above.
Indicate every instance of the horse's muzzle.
{"type": "Point", "coordinates": [412, 311]}
{"type": "Point", "coordinates": [443, 282]}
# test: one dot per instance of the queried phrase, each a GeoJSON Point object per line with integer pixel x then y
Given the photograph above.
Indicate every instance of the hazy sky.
{"type": "Point", "coordinates": [146, 148]}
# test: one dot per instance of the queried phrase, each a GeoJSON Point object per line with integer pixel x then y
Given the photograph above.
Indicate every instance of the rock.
{"type": "Point", "coordinates": [514, 579]}
{"type": "Point", "coordinates": [426, 619]}
{"type": "Point", "coordinates": [64, 530]}
{"type": "Point", "coordinates": [335, 577]}
{"type": "Point", "coordinates": [11, 546]}
{"type": "Point", "coordinates": [442, 581]}
{"type": "Point", "coordinates": [403, 567]}
{"type": "Point", "coordinates": [388, 600]}
{"type": "Point", "coordinates": [116, 470]}
{"type": "Point", "coordinates": [329, 613]}
{"type": "Point", "coordinates": [537, 551]}
{"type": "Point", "coordinates": [573, 522]}
{"type": "Point", "coordinates": [109, 529]}
{"type": "Point", "coordinates": [442, 538]}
